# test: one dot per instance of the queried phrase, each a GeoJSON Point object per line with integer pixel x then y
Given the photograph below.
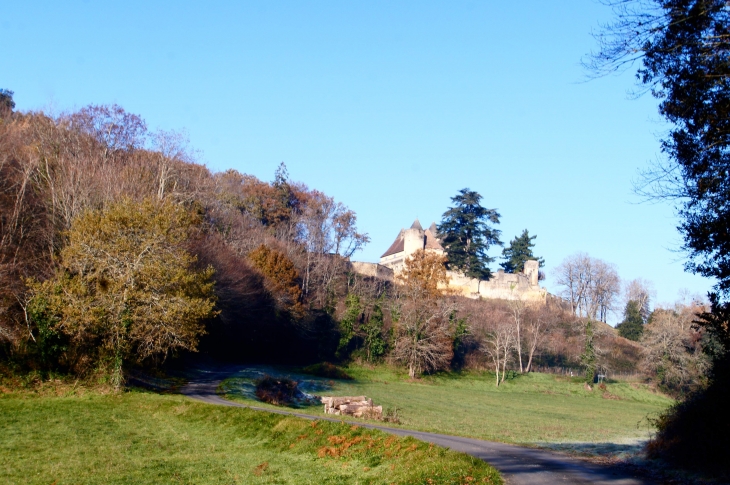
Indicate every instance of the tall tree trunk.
{"type": "Point", "coordinates": [504, 363]}
{"type": "Point", "coordinates": [519, 345]}
{"type": "Point", "coordinates": [529, 361]}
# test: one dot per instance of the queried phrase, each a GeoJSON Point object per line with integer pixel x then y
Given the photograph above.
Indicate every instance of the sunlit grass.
{"type": "Point", "coordinates": [137, 438]}
{"type": "Point", "coordinates": [533, 408]}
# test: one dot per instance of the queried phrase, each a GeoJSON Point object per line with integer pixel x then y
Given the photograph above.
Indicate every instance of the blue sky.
{"type": "Point", "coordinates": [390, 107]}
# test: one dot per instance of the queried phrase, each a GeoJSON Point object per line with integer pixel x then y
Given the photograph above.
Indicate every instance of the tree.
{"type": "Point", "coordinates": [518, 252]}
{"type": "Point", "coordinates": [127, 290]}
{"type": "Point", "coordinates": [684, 50]}
{"type": "Point", "coordinates": [424, 334]}
{"type": "Point", "coordinates": [348, 322]}
{"type": "Point", "coordinates": [424, 272]}
{"type": "Point", "coordinates": [540, 321]}
{"type": "Point", "coordinates": [588, 358]}
{"type": "Point", "coordinates": [632, 326]}
{"type": "Point", "coordinates": [281, 275]}
{"type": "Point", "coordinates": [640, 291]}
{"type": "Point", "coordinates": [496, 336]}
{"type": "Point", "coordinates": [373, 338]}
{"type": "Point", "coordinates": [672, 354]}
{"type": "Point", "coordinates": [517, 311]}
{"type": "Point", "coordinates": [7, 105]}
{"type": "Point", "coordinates": [589, 284]}
{"type": "Point", "coordinates": [466, 233]}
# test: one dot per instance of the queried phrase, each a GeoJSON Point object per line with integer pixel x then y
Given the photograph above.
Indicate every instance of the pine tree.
{"type": "Point", "coordinates": [519, 251]}
{"type": "Point", "coordinates": [632, 326]}
{"type": "Point", "coordinates": [466, 234]}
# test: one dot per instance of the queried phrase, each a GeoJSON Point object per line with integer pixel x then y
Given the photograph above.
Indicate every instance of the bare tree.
{"type": "Point", "coordinates": [672, 348]}
{"type": "Point", "coordinates": [540, 321]}
{"type": "Point", "coordinates": [642, 292]}
{"type": "Point", "coordinates": [517, 311]}
{"type": "Point", "coordinates": [492, 327]}
{"type": "Point", "coordinates": [589, 284]}
{"type": "Point", "coordinates": [605, 288]}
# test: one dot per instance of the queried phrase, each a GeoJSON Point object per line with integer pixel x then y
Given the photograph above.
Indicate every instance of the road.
{"type": "Point", "coordinates": [518, 465]}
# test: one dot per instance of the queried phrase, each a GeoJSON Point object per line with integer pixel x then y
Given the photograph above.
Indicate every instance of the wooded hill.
{"type": "Point", "coordinates": [276, 252]}
{"type": "Point", "coordinates": [117, 248]}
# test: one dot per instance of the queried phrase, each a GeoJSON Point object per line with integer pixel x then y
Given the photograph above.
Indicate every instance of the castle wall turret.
{"type": "Point", "coordinates": [413, 240]}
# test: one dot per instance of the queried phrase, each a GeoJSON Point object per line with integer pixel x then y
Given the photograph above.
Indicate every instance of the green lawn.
{"type": "Point", "coordinates": [530, 409]}
{"type": "Point", "coordinates": [138, 437]}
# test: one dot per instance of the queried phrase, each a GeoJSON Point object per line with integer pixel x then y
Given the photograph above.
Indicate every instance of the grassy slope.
{"type": "Point", "coordinates": [534, 408]}
{"type": "Point", "coordinates": [141, 437]}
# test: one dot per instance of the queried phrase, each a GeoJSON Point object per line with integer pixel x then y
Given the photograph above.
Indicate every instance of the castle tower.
{"type": "Point", "coordinates": [532, 271]}
{"type": "Point", "coordinates": [413, 238]}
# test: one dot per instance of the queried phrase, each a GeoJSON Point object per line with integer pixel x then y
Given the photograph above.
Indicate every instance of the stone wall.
{"type": "Point", "coordinates": [372, 270]}
{"type": "Point", "coordinates": [502, 286]}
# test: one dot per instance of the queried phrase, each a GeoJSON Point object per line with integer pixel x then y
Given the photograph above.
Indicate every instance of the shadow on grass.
{"type": "Point", "coordinates": [625, 450]}
{"type": "Point", "coordinates": [243, 384]}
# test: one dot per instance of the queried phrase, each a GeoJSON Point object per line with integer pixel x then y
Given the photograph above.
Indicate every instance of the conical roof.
{"type": "Point", "coordinates": [397, 246]}
{"type": "Point", "coordinates": [417, 225]}
{"type": "Point", "coordinates": [434, 230]}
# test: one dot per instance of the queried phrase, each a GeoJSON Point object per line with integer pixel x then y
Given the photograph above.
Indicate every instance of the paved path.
{"type": "Point", "coordinates": [519, 466]}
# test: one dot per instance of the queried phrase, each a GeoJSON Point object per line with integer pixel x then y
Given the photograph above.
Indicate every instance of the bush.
{"type": "Point", "coordinates": [695, 433]}
{"type": "Point", "coordinates": [325, 369]}
{"type": "Point", "coordinates": [280, 392]}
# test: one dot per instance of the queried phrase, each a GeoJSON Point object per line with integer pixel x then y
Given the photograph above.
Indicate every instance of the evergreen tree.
{"type": "Point", "coordinates": [6, 102]}
{"type": "Point", "coordinates": [519, 251]}
{"type": "Point", "coordinates": [466, 234]}
{"type": "Point", "coordinates": [588, 357]}
{"type": "Point", "coordinates": [373, 333]}
{"type": "Point", "coordinates": [353, 311]}
{"type": "Point", "coordinates": [632, 326]}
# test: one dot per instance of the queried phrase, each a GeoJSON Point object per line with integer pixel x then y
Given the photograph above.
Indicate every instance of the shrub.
{"type": "Point", "coordinates": [278, 391]}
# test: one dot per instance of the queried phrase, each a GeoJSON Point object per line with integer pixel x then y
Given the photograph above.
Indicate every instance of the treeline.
{"type": "Point", "coordinates": [118, 249]}
{"type": "Point", "coordinates": [104, 223]}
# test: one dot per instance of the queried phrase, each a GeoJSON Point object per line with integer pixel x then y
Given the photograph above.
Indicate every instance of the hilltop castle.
{"type": "Point", "coordinates": [519, 286]}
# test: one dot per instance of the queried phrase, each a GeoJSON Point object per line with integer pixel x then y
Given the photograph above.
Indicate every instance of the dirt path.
{"type": "Point", "coordinates": [519, 466]}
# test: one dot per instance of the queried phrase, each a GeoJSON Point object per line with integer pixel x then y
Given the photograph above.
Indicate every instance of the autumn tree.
{"type": "Point", "coordinates": [127, 290]}
{"type": "Point", "coordinates": [424, 274]}
{"type": "Point", "coordinates": [282, 277]}
{"type": "Point", "coordinates": [424, 340]}
{"type": "Point", "coordinates": [467, 232]}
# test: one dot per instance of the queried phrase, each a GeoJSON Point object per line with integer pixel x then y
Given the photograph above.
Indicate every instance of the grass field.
{"type": "Point", "coordinates": [139, 437]}
{"type": "Point", "coordinates": [530, 409]}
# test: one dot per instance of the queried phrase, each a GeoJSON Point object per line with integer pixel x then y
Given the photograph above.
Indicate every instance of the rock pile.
{"type": "Point", "coordinates": [357, 406]}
